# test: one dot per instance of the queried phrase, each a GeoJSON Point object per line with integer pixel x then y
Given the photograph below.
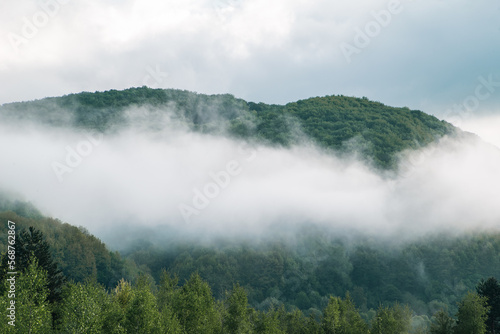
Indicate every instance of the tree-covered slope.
{"type": "Point", "coordinates": [340, 123]}
{"type": "Point", "coordinates": [298, 271]}
{"type": "Point", "coordinates": [303, 271]}
{"type": "Point", "coordinates": [79, 254]}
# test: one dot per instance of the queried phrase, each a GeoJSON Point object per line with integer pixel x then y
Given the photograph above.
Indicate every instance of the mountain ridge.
{"type": "Point", "coordinates": [334, 122]}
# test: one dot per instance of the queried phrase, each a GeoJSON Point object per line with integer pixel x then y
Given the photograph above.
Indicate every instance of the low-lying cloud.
{"type": "Point", "coordinates": [215, 185]}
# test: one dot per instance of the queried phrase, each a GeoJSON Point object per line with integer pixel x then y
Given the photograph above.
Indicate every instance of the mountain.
{"type": "Point", "coordinates": [282, 277]}
{"type": "Point", "coordinates": [340, 123]}
{"type": "Point", "coordinates": [79, 254]}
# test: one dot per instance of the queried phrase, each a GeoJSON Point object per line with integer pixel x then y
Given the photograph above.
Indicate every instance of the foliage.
{"type": "Point", "coordinates": [238, 315]}
{"type": "Point", "coordinates": [472, 315]}
{"type": "Point", "coordinates": [142, 314]}
{"type": "Point", "coordinates": [341, 123]}
{"type": "Point", "coordinates": [30, 244]}
{"type": "Point", "coordinates": [33, 313]}
{"type": "Point", "coordinates": [491, 290]}
{"type": "Point", "coordinates": [341, 316]}
{"type": "Point", "coordinates": [305, 269]}
{"type": "Point", "coordinates": [144, 307]}
{"type": "Point", "coordinates": [195, 307]}
{"type": "Point", "coordinates": [442, 324]}
{"type": "Point", "coordinates": [79, 254]}
{"type": "Point", "coordinates": [392, 320]}
{"type": "Point", "coordinates": [83, 307]}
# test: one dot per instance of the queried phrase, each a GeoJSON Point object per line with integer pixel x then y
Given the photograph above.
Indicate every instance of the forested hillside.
{"type": "Point", "coordinates": [291, 285]}
{"type": "Point", "coordinates": [336, 122]}
{"type": "Point", "coordinates": [427, 274]}
{"type": "Point", "coordinates": [79, 254]}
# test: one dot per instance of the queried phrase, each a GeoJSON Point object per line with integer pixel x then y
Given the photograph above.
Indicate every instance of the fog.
{"type": "Point", "coordinates": [136, 179]}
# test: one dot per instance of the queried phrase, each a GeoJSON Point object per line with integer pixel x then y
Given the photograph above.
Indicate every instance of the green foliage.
{"type": "Point", "coordinates": [169, 322]}
{"type": "Point", "coordinates": [341, 316]}
{"type": "Point", "coordinates": [33, 313]}
{"type": "Point", "coordinates": [491, 290]}
{"type": "Point", "coordinates": [237, 319]}
{"type": "Point", "coordinates": [30, 243]}
{"type": "Point", "coordinates": [195, 307]}
{"type": "Point", "coordinates": [427, 274]}
{"type": "Point", "coordinates": [392, 320]}
{"type": "Point", "coordinates": [442, 323]}
{"type": "Point", "coordinates": [472, 315]}
{"type": "Point", "coordinates": [141, 314]}
{"type": "Point", "coordinates": [83, 308]}
{"type": "Point", "coordinates": [339, 123]}
{"type": "Point", "coordinates": [114, 316]}
{"type": "Point", "coordinates": [335, 120]}
{"type": "Point", "coordinates": [78, 254]}
{"type": "Point", "coordinates": [191, 308]}
{"type": "Point", "coordinates": [267, 322]}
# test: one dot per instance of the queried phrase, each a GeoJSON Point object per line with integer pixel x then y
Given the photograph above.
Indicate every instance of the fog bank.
{"type": "Point", "coordinates": [213, 185]}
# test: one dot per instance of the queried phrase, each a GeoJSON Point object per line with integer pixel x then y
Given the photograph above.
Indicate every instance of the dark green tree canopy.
{"type": "Point", "coordinates": [490, 289]}
{"type": "Point", "coordinates": [336, 122]}
{"type": "Point", "coordinates": [30, 243]}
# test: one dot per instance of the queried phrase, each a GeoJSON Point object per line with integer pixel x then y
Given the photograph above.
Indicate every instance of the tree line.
{"type": "Point", "coordinates": [46, 302]}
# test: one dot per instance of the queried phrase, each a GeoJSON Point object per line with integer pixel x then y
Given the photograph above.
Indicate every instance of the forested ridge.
{"type": "Point", "coordinates": [335, 122]}
{"type": "Point", "coordinates": [287, 285]}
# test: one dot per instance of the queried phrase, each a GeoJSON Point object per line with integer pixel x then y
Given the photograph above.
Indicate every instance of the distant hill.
{"type": "Point", "coordinates": [79, 254]}
{"type": "Point", "coordinates": [339, 123]}
{"type": "Point", "coordinates": [301, 269]}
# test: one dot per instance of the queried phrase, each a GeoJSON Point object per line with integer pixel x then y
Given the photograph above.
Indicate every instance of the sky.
{"type": "Point", "coordinates": [429, 55]}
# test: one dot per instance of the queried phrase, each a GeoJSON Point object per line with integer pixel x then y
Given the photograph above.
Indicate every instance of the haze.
{"type": "Point", "coordinates": [138, 177]}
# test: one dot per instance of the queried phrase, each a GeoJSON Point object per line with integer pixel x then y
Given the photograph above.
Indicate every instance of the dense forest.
{"type": "Point", "coordinates": [167, 307]}
{"type": "Point", "coordinates": [339, 123]}
{"type": "Point", "coordinates": [311, 283]}
{"type": "Point", "coordinates": [79, 254]}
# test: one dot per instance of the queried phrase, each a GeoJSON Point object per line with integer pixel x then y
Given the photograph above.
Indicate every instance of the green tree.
{"type": "Point", "coordinates": [33, 314]}
{"type": "Point", "coordinates": [6, 307]}
{"type": "Point", "coordinates": [341, 316]}
{"type": "Point", "coordinates": [195, 307]}
{"type": "Point", "coordinates": [166, 289]}
{"type": "Point", "coordinates": [472, 315]}
{"type": "Point", "coordinates": [268, 322]}
{"type": "Point", "coordinates": [331, 316]}
{"type": "Point", "coordinates": [165, 299]}
{"type": "Point", "coordinates": [312, 326]}
{"type": "Point", "coordinates": [142, 314]}
{"type": "Point", "coordinates": [237, 319]}
{"type": "Point", "coordinates": [442, 323]}
{"type": "Point", "coordinates": [114, 315]}
{"type": "Point", "coordinates": [30, 243]}
{"type": "Point", "coordinates": [83, 307]}
{"type": "Point", "coordinates": [169, 322]}
{"type": "Point", "coordinates": [491, 290]}
{"type": "Point", "coordinates": [392, 320]}
{"type": "Point", "coordinates": [294, 322]}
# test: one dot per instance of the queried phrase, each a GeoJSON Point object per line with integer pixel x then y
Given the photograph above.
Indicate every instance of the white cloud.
{"type": "Point", "coordinates": [140, 178]}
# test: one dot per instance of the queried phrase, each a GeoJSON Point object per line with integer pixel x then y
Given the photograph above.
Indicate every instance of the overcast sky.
{"type": "Point", "coordinates": [426, 54]}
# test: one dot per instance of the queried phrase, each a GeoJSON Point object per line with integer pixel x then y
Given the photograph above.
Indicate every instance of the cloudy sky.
{"type": "Point", "coordinates": [426, 54]}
